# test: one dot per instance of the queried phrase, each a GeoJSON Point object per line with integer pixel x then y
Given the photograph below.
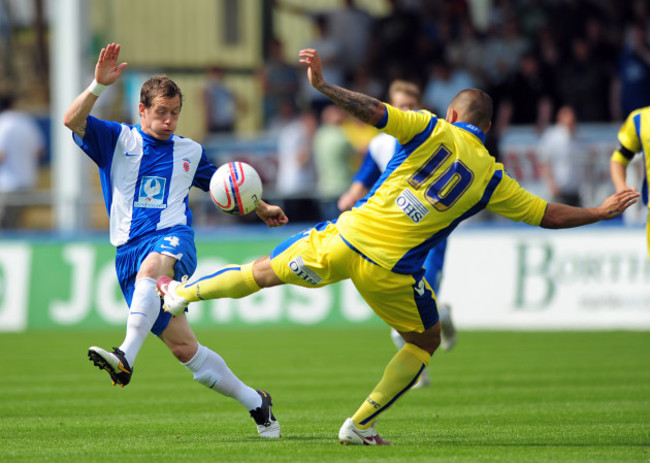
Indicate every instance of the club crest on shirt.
{"type": "Point", "coordinates": [411, 206]}
{"type": "Point", "coordinates": [152, 193]}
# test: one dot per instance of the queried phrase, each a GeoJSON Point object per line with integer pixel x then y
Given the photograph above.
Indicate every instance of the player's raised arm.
{"type": "Point", "coordinates": [363, 107]}
{"type": "Point", "coordinates": [563, 216]}
{"type": "Point", "coordinates": [107, 71]}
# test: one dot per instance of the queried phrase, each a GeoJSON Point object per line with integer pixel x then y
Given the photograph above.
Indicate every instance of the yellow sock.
{"type": "Point", "coordinates": [401, 373]}
{"type": "Point", "coordinates": [232, 281]}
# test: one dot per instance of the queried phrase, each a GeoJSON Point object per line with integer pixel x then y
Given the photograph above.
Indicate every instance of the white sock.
{"type": "Point", "coordinates": [445, 315]}
{"type": "Point", "coordinates": [397, 338]}
{"type": "Point", "coordinates": [211, 370]}
{"type": "Point", "coordinates": [145, 308]}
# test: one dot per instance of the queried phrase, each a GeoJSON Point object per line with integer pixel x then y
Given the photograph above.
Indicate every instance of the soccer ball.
{"type": "Point", "coordinates": [236, 188]}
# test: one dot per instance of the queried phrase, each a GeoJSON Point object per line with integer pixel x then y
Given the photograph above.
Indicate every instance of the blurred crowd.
{"type": "Point", "coordinates": [539, 60]}
{"type": "Point", "coordinates": [534, 57]}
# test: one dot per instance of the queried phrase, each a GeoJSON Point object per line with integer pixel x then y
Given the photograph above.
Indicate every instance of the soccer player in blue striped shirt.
{"type": "Point", "coordinates": [146, 173]}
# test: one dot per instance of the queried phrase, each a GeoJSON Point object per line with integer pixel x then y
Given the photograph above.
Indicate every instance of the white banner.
{"type": "Point", "coordinates": [529, 278]}
{"type": "Point", "coordinates": [15, 261]}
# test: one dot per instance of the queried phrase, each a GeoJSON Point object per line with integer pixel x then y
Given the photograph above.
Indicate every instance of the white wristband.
{"type": "Point", "coordinates": [96, 88]}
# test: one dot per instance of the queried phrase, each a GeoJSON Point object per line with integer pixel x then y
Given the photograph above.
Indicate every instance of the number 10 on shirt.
{"type": "Point", "coordinates": [449, 185]}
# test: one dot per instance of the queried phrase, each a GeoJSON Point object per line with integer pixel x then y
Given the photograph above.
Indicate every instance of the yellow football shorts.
{"type": "Point", "coordinates": [320, 256]}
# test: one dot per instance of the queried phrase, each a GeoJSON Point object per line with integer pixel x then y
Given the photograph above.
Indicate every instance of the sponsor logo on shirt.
{"type": "Point", "coordinates": [173, 241]}
{"type": "Point", "coordinates": [152, 192]}
{"type": "Point", "coordinates": [411, 206]}
{"type": "Point", "coordinates": [298, 267]}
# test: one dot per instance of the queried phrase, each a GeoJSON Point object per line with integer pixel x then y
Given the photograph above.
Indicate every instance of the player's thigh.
{"type": "Point", "coordinates": [405, 302]}
{"type": "Point", "coordinates": [312, 258]}
{"type": "Point", "coordinates": [155, 265]}
{"type": "Point", "coordinates": [264, 274]}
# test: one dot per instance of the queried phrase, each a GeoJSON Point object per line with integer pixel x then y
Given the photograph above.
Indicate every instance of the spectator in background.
{"type": "Point", "coordinates": [563, 161]}
{"type": "Point", "coordinates": [526, 97]}
{"type": "Point", "coordinates": [444, 84]}
{"type": "Point", "coordinates": [365, 82]}
{"type": "Point", "coordinates": [333, 155]}
{"type": "Point", "coordinates": [634, 70]}
{"type": "Point", "coordinates": [285, 116]}
{"type": "Point", "coordinates": [585, 84]}
{"type": "Point", "coordinates": [602, 49]}
{"type": "Point", "coordinates": [504, 49]}
{"type": "Point", "coordinates": [350, 25]}
{"type": "Point", "coordinates": [467, 52]}
{"type": "Point", "coordinates": [220, 103]}
{"type": "Point", "coordinates": [296, 172]}
{"type": "Point", "coordinates": [347, 25]}
{"type": "Point", "coordinates": [279, 80]}
{"type": "Point", "coordinates": [332, 54]}
{"type": "Point", "coordinates": [394, 42]}
{"type": "Point", "coordinates": [22, 146]}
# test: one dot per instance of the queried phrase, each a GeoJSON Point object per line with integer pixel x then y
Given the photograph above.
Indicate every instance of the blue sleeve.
{"type": "Point", "coordinates": [204, 173]}
{"type": "Point", "coordinates": [100, 140]}
{"type": "Point", "coordinates": [384, 120]}
{"type": "Point", "coordinates": [368, 173]}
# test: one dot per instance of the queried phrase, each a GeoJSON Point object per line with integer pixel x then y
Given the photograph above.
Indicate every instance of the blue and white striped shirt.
{"type": "Point", "coordinates": [145, 181]}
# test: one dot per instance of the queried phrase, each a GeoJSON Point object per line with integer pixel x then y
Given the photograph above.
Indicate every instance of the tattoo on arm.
{"type": "Point", "coordinates": [366, 108]}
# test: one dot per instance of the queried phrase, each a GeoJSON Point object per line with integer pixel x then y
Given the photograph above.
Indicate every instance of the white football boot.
{"type": "Point", "coordinates": [172, 303]}
{"type": "Point", "coordinates": [351, 435]}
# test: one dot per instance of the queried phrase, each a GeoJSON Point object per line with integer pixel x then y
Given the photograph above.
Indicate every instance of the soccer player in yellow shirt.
{"type": "Point", "coordinates": [633, 137]}
{"type": "Point", "coordinates": [440, 175]}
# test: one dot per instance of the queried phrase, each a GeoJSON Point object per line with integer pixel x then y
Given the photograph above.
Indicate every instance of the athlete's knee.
{"type": "Point", "coordinates": [428, 340]}
{"type": "Point", "coordinates": [429, 343]}
{"type": "Point", "coordinates": [264, 274]}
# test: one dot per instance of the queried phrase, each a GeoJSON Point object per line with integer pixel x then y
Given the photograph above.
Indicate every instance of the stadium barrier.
{"type": "Point", "coordinates": [495, 278]}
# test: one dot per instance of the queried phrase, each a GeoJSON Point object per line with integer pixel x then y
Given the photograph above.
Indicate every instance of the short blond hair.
{"type": "Point", "coordinates": [403, 86]}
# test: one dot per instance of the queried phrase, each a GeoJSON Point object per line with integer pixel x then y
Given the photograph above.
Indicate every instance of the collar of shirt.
{"type": "Point", "coordinates": [471, 128]}
{"type": "Point", "coordinates": [153, 139]}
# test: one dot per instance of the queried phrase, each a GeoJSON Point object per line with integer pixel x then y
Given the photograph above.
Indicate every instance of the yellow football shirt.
{"type": "Point", "coordinates": [440, 175]}
{"type": "Point", "coordinates": [634, 137]}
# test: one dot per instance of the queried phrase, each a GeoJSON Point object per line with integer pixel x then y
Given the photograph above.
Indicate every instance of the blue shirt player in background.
{"type": "Point", "coordinates": [406, 97]}
{"type": "Point", "coordinates": [146, 172]}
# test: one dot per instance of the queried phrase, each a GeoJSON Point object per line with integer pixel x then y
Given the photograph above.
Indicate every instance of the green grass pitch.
{"type": "Point", "coordinates": [498, 396]}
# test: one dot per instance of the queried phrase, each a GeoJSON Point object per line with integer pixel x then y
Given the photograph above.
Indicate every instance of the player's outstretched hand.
{"type": "Point", "coordinates": [310, 57]}
{"type": "Point", "coordinates": [107, 70]}
{"type": "Point", "coordinates": [616, 204]}
{"type": "Point", "coordinates": [346, 201]}
{"type": "Point", "coordinates": [273, 216]}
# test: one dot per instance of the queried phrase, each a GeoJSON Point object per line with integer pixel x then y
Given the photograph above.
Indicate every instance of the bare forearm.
{"type": "Point", "coordinates": [365, 108]}
{"type": "Point", "coordinates": [76, 114]}
{"type": "Point", "coordinates": [563, 216]}
{"type": "Point", "coordinates": [618, 174]}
